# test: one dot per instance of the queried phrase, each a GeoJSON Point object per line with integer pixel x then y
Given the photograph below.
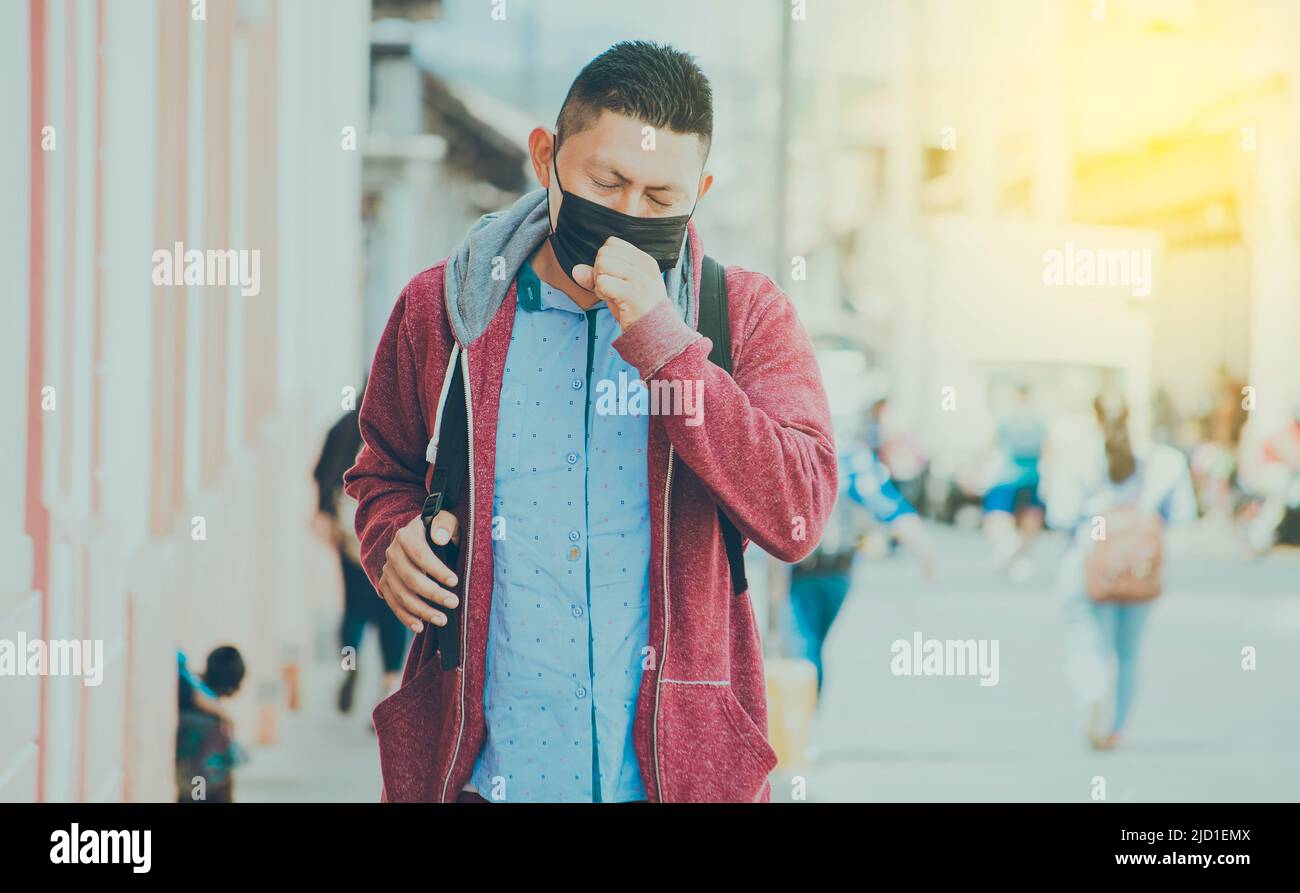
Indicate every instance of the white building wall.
{"type": "Point", "coordinates": [140, 584]}
{"type": "Point", "coordinates": [19, 606]}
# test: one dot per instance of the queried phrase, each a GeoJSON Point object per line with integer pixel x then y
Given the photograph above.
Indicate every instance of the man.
{"type": "Point", "coordinates": [603, 655]}
{"type": "Point", "coordinates": [335, 523]}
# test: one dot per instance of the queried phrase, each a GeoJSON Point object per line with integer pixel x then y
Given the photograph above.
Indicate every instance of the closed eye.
{"type": "Point", "coordinates": [608, 186]}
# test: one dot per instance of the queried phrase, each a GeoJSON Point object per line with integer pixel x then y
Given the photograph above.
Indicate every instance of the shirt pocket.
{"type": "Point", "coordinates": [510, 423]}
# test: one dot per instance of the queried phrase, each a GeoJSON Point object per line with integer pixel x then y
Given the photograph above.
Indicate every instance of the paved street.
{"type": "Point", "coordinates": [1202, 728]}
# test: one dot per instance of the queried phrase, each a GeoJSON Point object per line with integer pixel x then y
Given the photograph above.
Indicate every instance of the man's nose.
{"type": "Point", "coordinates": [633, 202]}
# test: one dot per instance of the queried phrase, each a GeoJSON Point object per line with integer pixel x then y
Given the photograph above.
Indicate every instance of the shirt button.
{"type": "Point", "coordinates": [581, 692]}
{"type": "Point", "coordinates": [574, 553]}
{"type": "Point", "coordinates": [576, 384]}
{"type": "Point", "coordinates": [571, 458]}
{"type": "Point", "coordinates": [577, 611]}
{"type": "Point", "coordinates": [573, 536]}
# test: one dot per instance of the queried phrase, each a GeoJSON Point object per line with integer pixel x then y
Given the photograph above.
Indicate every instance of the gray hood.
{"type": "Point", "coordinates": [474, 294]}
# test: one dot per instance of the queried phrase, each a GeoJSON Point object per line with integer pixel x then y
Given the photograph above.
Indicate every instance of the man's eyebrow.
{"type": "Point", "coordinates": [614, 172]}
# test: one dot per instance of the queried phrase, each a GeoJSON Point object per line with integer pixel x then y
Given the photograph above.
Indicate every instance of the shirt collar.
{"type": "Point", "coordinates": [533, 294]}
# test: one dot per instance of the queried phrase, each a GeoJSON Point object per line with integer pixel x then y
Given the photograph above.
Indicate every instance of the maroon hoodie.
{"type": "Point", "coordinates": [764, 453]}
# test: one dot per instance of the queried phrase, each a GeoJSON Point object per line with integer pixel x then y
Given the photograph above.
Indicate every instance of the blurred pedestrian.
{"type": "Point", "coordinates": [206, 751]}
{"type": "Point", "coordinates": [1013, 511]}
{"type": "Point", "coordinates": [1116, 512]}
{"type": "Point", "coordinates": [820, 583]}
{"type": "Point", "coordinates": [362, 606]}
{"type": "Point", "coordinates": [870, 484]}
{"type": "Point", "coordinates": [898, 449]}
{"type": "Point", "coordinates": [1275, 481]}
{"type": "Point", "coordinates": [1213, 453]}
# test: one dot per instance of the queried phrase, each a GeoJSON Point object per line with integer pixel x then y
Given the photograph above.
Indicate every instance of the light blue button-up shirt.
{"type": "Point", "coordinates": [571, 552]}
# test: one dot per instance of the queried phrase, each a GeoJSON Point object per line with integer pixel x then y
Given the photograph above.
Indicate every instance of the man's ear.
{"type": "Point", "coordinates": [706, 183]}
{"type": "Point", "coordinates": [541, 150]}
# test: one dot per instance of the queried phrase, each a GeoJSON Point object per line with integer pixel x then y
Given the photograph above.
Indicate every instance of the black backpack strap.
{"type": "Point", "coordinates": [716, 326]}
{"type": "Point", "coordinates": [446, 489]}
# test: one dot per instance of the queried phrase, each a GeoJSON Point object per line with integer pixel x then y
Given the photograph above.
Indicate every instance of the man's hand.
{"type": "Point", "coordinates": [407, 582]}
{"type": "Point", "coordinates": [625, 278]}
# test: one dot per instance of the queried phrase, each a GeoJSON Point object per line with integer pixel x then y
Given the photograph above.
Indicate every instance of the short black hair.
{"type": "Point", "coordinates": [649, 81]}
{"type": "Point", "coordinates": [225, 670]}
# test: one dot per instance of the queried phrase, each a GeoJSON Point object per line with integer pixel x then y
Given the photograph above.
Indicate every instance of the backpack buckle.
{"type": "Point", "coordinates": [432, 505]}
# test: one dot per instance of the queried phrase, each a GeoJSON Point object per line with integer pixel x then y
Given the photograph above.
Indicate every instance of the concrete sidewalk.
{"type": "Point", "coordinates": [322, 756]}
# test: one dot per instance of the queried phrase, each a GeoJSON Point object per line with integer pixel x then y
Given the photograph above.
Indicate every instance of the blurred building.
{"type": "Point", "coordinates": [157, 491]}
{"type": "Point", "coordinates": [948, 146]}
{"type": "Point", "coordinates": [437, 157]}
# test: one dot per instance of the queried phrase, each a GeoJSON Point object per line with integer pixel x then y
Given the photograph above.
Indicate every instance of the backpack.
{"type": "Point", "coordinates": [451, 465]}
{"type": "Point", "coordinates": [1126, 565]}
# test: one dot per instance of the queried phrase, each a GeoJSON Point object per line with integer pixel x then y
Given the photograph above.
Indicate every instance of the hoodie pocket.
{"type": "Point", "coordinates": [710, 749]}
{"type": "Point", "coordinates": [407, 728]}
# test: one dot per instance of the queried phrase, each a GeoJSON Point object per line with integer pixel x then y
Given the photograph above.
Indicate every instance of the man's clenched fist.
{"type": "Point", "coordinates": [625, 278]}
{"type": "Point", "coordinates": [412, 572]}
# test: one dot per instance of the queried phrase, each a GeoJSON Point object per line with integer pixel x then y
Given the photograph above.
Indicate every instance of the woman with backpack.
{"type": "Point", "coordinates": [1115, 512]}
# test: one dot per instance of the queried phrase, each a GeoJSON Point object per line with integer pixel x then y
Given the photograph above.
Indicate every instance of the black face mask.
{"type": "Point", "coordinates": [582, 226]}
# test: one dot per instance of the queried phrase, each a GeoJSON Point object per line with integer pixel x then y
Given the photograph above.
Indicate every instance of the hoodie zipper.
{"type": "Point", "coordinates": [469, 563]}
{"type": "Point", "coordinates": [663, 651]}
